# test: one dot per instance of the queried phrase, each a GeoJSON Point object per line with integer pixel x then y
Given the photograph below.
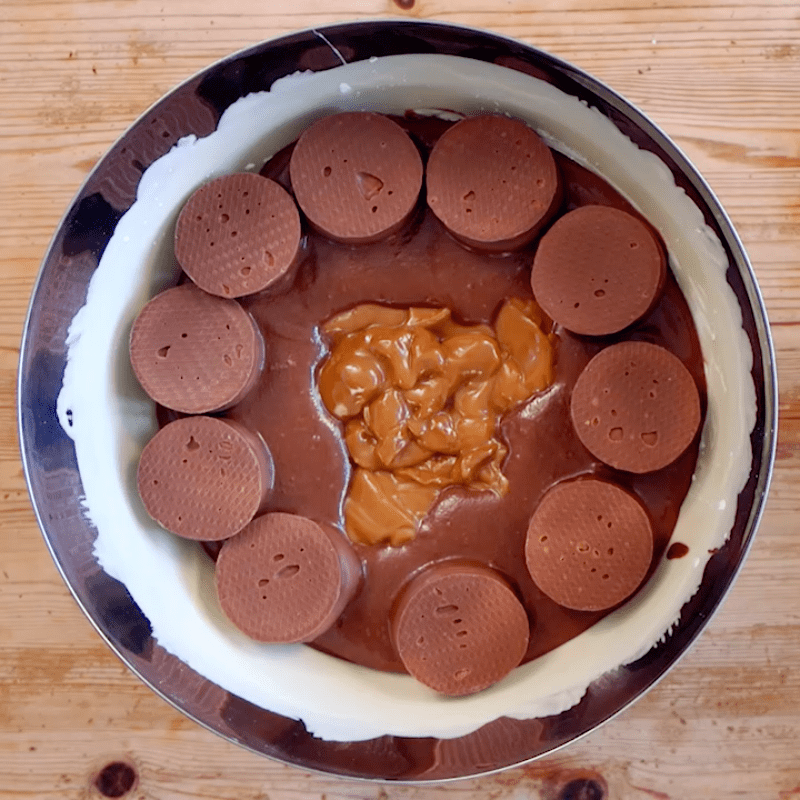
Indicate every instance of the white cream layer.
{"type": "Point", "coordinates": [110, 418]}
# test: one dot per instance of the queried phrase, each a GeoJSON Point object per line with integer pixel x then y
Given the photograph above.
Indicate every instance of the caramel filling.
{"type": "Point", "coordinates": [421, 397]}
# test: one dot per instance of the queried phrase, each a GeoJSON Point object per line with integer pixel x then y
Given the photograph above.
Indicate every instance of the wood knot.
{"type": "Point", "coordinates": [582, 789]}
{"type": "Point", "coordinates": [115, 779]}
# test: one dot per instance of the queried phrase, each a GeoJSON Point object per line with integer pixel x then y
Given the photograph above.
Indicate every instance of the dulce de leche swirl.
{"type": "Point", "coordinates": [421, 396]}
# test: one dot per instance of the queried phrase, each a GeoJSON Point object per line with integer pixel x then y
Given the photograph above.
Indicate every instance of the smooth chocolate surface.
{"type": "Point", "coordinates": [420, 397]}
{"type": "Point", "coordinates": [313, 469]}
{"type": "Point", "coordinates": [589, 544]}
{"type": "Point", "coordinates": [238, 235]}
{"type": "Point", "coordinates": [597, 270]}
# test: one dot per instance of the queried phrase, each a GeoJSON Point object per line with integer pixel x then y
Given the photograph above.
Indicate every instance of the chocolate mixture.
{"type": "Point", "coordinates": [422, 265]}
{"type": "Point", "coordinates": [420, 398]}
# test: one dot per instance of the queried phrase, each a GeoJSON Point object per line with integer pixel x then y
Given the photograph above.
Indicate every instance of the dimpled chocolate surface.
{"type": "Point", "coordinates": [356, 176]}
{"type": "Point", "coordinates": [492, 182]}
{"type": "Point", "coordinates": [597, 270]}
{"type": "Point", "coordinates": [193, 352]}
{"type": "Point", "coordinates": [459, 628]}
{"type": "Point", "coordinates": [285, 578]}
{"type": "Point", "coordinates": [204, 478]}
{"type": "Point", "coordinates": [421, 397]}
{"type": "Point", "coordinates": [589, 544]}
{"type": "Point", "coordinates": [635, 407]}
{"type": "Point", "coordinates": [238, 235]}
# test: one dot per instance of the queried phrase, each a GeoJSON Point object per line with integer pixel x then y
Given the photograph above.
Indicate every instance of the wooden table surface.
{"type": "Point", "coordinates": [722, 77]}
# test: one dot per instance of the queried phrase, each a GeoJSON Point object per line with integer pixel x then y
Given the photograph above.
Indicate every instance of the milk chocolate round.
{"type": "Point", "coordinates": [589, 544]}
{"type": "Point", "coordinates": [597, 270]}
{"type": "Point", "coordinates": [492, 182]}
{"type": "Point", "coordinates": [237, 235]}
{"type": "Point", "coordinates": [635, 406]}
{"type": "Point", "coordinates": [458, 628]}
{"type": "Point", "coordinates": [204, 478]}
{"type": "Point", "coordinates": [193, 352]}
{"type": "Point", "coordinates": [286, 578]}
{"type": "Point", "coordinates": [356, 176]}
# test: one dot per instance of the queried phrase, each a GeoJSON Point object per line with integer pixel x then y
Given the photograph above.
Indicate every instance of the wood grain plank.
{"type": "Point", "coordinates": [722, 78]}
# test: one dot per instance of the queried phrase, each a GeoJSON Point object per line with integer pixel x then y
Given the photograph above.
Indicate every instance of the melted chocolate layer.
{"type": "Point", "coordinates": [423, 265]}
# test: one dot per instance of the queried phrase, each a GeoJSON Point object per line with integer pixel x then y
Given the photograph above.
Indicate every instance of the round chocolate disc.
{"type": "Point", "coordinates": [458, 628]}
{"type": "Point", "coordinates": [356, 176]}
{"type": "Point", "coordinates": [204, 478]}
{"type": "Point", "coordinates": [237, 235]}
{"type": "Point", "coordinates": [285, 578]}
{"type": "Point", "coordinates": [635, 407]}
{"type": "Point", "coordinates": [598, 270]}
{"type": "Point", "coordinates": [589, 544]}
{"type": "Point", "coordinates": [492, 182]}
{"type": "Point", "coordinates": [193, 352]}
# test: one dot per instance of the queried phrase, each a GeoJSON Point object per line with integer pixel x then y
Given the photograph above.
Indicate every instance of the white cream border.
{"type": "Point", "coordinates": [111, 419]}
